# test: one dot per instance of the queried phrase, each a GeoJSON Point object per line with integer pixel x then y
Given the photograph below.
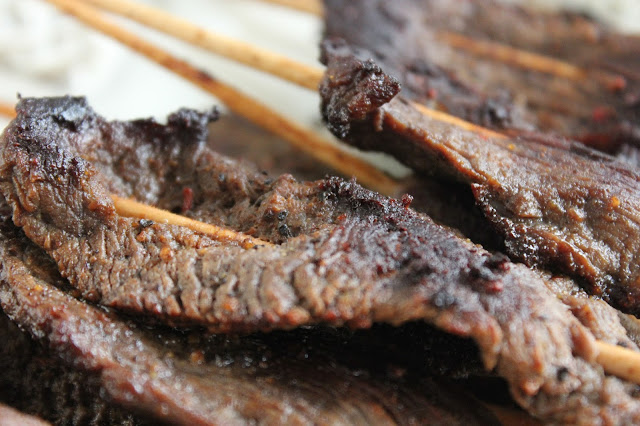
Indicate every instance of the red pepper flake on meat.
{"type": "Point", "coordinates": [614, 202]}
{"type": "Point", "coordinates": [602, 113]}
{"type": "Point", "coordinates": [187, 199]}
{"type": "Point", "coordinates": [617, 84]}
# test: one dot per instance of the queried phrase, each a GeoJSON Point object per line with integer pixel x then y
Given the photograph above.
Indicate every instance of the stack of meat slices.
{"type": "Point", "coordinates": [503, 66]}
{"type": "Point", "coordinates": [81, 361]}
{"type": "Point", "coordinates": [344, 256]}
{"type": "Point", "coordinates": [356, 309]}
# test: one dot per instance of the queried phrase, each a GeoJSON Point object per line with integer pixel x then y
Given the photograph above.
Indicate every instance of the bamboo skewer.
{"type": "Point", "coordinates": [619, 361]}
{"type": "Point", "coordinates": [455, 121]}
{"type": "Point", "coordinates": [243, 105]}
{"type": "Point", "coordinates": [313, 7]}
{"type": "Point", "coordinates": [488, 49]}
{"type": "Point", "coordinates": [130, 208]}
{"type": "Point", "coordinates": [253, 57]}
{"type": "Point", "coordinates": [622, 362]}
{"type": "Point", "coordinates": [239, 51]}
{"type": "Point", "coordinates": [514, 56]}
{"type": "Point", "coordinates": [524, 59]}
{"type": "Point", "coordinates": [7, 110]}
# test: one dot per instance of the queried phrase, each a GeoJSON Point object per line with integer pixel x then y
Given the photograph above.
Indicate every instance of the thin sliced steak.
{"type": "Point", "coordinates": [555, 202]}
{"type": "Point", "coordinates": [353, 257]}
{"type": "Point", "coordinates": [444, 201]}
{"type": "Point", "coordinates": [91, 366]}
{"type": "Point", "coordinates": [601, 107]}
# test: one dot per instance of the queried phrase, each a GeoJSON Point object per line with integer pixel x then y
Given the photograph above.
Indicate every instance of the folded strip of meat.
{"type": "Point", "coordinates": [555, 202]}
{"type": "Point", "coordinates": [366, 259]}
{"type": "Point", "coordinates": [444, 201]}
{"type": "Point", "coordinates": [408, 38]}
{"type": "Point", "coordinates": [97, 367]}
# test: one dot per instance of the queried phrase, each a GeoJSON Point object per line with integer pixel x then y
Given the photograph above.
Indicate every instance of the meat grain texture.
{"type": "Point", "coordinates": [555, 202]}
{"type": "Point", "coordinates": [348, 257]}
{"type": "Point", "coordinates": [594, 99]}
{"type": "Point", "coordinates": [72, 362]}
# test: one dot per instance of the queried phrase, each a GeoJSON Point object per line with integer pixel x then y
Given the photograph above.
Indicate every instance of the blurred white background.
{"type": "Point", "coordinates": [45, 53]}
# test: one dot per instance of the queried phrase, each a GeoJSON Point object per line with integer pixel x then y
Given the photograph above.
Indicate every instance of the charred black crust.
{"type": "Point", "coordinates": [353, 257]}
{"type": "Point", "coordinates": [405, 39]}
{"type": "Point", "coordinates": [556, 203]}
{"type": "Point", "coordinates": [351, 77]}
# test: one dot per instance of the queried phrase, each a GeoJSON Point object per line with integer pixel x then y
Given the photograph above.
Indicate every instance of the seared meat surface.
{"type": "Point", "coordinates": [555, 202]}
{"type": "Point", "coordinates": [91, 366]}
{"type": "Point", "coordinates": [353, 258]}
{"type": "Point", "coordinates": [412, 40]}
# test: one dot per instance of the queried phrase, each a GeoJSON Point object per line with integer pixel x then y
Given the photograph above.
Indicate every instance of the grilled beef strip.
{"type": "Point", "coordinates": [366, 258]}
{"type": "Point", "coordinates": [601, 109]}
{"type": "Point", "coordinates": [86, 365]}
{"type": "Point", "coordinates": [35, 381]}
{"type": "Point", "coordinates": [444, 201]}
{"type": "Point", "coordinates": [555, 202]}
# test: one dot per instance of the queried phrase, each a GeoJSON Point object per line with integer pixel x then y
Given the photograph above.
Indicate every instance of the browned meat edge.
{"type": "Point", "coordinates": [367, 258]}
{"type": "Point", "coordinates": [601, 109]}
{"type": "Point", "coordinates": [556, 203]}
{"type": "Point", "coordinates": [86, 365]}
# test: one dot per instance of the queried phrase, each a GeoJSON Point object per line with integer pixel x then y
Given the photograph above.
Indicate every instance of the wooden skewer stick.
{"type": "Point", "coordinates": [313, 7]}
{"type": "Point", "coordinates": [513, 56]}
{"type": "Point", "coordinates": [525, 59]}
{"type": "Point", "coordinates": [455, 121]}
{"type": "Point", "coordinates": [619, 361]}
{"type": "Point", "coordinates": [239, 51]}
{"type": "Point", "coordinates": [130, 208]}
{"type": "Point", "coordinates": [489, 49]}
{"type": "Point", "coordinates": [622, 362]}
{"type": "Point", "coordinates": [254, 57]}
{"type": "Point", "coordinates": [7, 110]}
{"type": "Point", "coordinates": [304, 139]}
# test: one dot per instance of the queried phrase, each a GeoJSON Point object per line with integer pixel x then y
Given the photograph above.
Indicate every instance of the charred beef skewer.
{"type": "Point", "coordinates": [307, 369]}
{"type": "Point", "coordinates": [555, 202]}
{"type": "Point", "coordinates": [349, 256]}
{"type": "Point", "coordinates": [27, 385]}
{"type": "Point", "coordinates": [460, 58]}
{"type": "Point", "coordinates": [92, 366]}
